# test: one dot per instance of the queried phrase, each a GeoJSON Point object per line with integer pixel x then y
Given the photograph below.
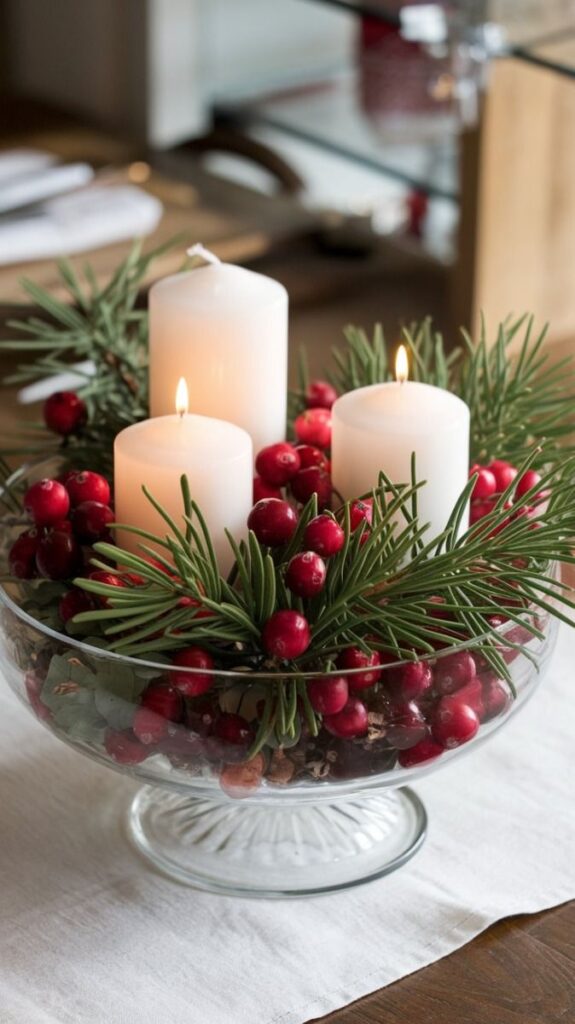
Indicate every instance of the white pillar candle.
{"type": "Point", "coordinates": [224, 329]}
{"type": "Point", "coordinates": [217, 458]}
{"type": "Point", "coordinates": [378, 427]}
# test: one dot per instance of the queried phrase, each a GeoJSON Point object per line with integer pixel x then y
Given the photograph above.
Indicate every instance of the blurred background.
{"type": "Point", "coordinates": [385, 160]}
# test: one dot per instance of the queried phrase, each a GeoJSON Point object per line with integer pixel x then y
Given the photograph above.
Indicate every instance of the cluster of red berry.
{"type": "Point", "coordinates": [302, 469]}
{"type": "Point", "coordinates": [493, 480]}
{"type": "Point", "coordinates": [416, 710]}
{"type": "Point", "coordinates": [65, 413]}
{"type": "Point", "coordinates": [69, 515]}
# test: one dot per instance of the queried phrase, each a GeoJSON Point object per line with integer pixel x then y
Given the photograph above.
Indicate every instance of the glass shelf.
{"type": "Point", "coordinates": [557, 54]}
{"type": "Point", "coordinates": [331, 113]}
{"type": "Point", "coordinates": [537, 31]}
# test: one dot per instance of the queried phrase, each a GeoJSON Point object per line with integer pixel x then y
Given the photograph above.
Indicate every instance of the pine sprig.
{"type": "Point", "coordinates": [516, 397]}
{"type": "Point", "coordinates": [515, 390]}
{"type": "Point", "coordinates": [365, 360]}
{"type": "Point", "coordinates": [101, 325]}
{"type": "Point", "coordinates": [373, 596]}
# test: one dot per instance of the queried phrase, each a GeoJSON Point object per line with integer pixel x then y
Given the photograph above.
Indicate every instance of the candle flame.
{"type": "Point", "coordinates": [401, 365]}
{"type": "Point", "coordinates": [182, 397]}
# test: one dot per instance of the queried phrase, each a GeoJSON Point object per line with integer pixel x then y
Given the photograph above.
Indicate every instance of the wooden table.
{"type": "Point", "coordinates": [521, 971]}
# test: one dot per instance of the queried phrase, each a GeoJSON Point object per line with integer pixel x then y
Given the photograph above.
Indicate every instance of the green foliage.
{"type": "Point", "coordinates": [101, 324]}
{"type": "Point", "coordinates": [373, 595]}
{"type": "Point", "coordinates": [516, 397]}
{"type": "Point", "coordinates": [516, 392]}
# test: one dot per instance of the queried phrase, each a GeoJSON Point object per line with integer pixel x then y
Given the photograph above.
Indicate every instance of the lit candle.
{"type": "Point", "coordinates": [224, 329]}
{"type": "Point", "coordinates": [216, 457]}
{"type": "Point", "coordinates": [378, 427]}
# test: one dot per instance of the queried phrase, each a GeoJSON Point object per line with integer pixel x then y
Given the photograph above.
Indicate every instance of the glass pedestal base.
{"type": "Point", "coordinates": [277, 849]}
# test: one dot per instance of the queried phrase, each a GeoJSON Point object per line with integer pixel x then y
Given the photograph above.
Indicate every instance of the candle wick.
{"type": "Point", "coordinates": [200, 253]}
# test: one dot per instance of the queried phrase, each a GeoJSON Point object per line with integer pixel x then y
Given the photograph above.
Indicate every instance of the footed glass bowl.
{"type": "Point", "coordinates": [316, 814]}
{"type": "Point", "coordinates": [313, 813]}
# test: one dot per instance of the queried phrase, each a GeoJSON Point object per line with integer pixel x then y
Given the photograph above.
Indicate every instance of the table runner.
{"type": "Point", "coordinates": [90, 935]}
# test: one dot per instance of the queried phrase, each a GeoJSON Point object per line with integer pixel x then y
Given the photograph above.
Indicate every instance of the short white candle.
{"type": "Point", "coordinates": [217, 458]}
{"type": "Point", "coordinates": [378, 427]}
{"type": "Point", "coordinates": [224, 329]}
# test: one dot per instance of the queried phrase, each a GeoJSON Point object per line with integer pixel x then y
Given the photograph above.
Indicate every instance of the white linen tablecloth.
{"type": "Point", "coordinates": [90, 935]}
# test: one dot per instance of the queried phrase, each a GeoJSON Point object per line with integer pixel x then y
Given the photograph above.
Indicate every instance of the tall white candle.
{"type": "Point", "coordinates": [224, 329]}
{"type": "Point", "coordinates": [378, 427]}
{"type": "Point", "coordinates": [216, 457]}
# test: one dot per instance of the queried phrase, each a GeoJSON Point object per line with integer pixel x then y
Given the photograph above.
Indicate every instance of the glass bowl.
{"type": "Point", "coordinates": [312, 814]}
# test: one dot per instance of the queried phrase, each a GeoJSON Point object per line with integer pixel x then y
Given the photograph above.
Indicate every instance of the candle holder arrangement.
{"type": "Point", "coordinates": [276, 674]}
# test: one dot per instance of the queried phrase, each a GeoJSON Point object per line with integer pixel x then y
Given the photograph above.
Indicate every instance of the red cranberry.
{"type": "Point", "coordinates": [426, 750]}
{"type": "Point", "coordinates": [350, 721]}
{"type": "Point", "coordinates": [124, 747]}
{"type": "Point", "coordinates": [47, 502]}
{"type": "Point", "coordinates": [312, 480]}
{"type": "Point", "coordinates": [200, 717]}
{"type": "Point", "coordinates": [90, 520]}
{"type": "Point", "coordinates": [233, 729]}
{"type": "Point", "coordinates": [149, 727]}
{"type": "Point", "coordinates": [496, 699]}
{"type": "Point", "coordinates": [33, 685]}
{"type": "Point", "coordinates": [353, 658]}
{"type": "Point", "coordinates": [22, 554]}
{"type": "Point", "coordinates": [360, 513]}
{"type": "Point", "coordinates": [436, 609]}
{"type": "Point", "coordinates": [328, 694]}
{"type": "Point", "coordinates": [453, 671]}
{"type": "Point", "coordinates": [485, 485]}
{"type": "Point", "coordinates": [64, 413]}
{"type": "Point", "coordinates": [314, 427]}
{"type": "Point", "coordinates": [109, 579]}
{"type": "Point", "coordinates": [264, 490]}
{"type": "Point", "coordinates": [58, 556]}
{"type": "Point", "coordinates": [504, 522]}
{"type": "Point", "coordinates": [311, 456]}
{"type": "Point", "coordinates": [286, 635]}
{"type": "Point", "coordinates": [406, 725]}
{"type": "Point", "coordinates": [277, 463]}
{"type": "Point", "coordinates": [273, 522]}
{"type": "Point", "coordinates": [63, 526]}
{"type": "Point", "coordinates": [305, 574]}
{"type": "Point", "coordinates": [240, 780]}
{"type": "Point", "coordinates": [411, 680]}
{"type": "Point", "coordinates": [88, 486]}
{"type": "Point", "coordinates": [516, 635]}
{"type": "Point", "coordinates": [496, 621]}
{"type": "Point", "coordinates": [73, 603]}
{"type": "Point", "coordinates": [320, 395]}
{"type": "Point", "coordinates": [503, 472]}
{"type": "Point", "coordinates": [193, 684]}
{"type": "Point", "coordinates": [165, 700]}
{"type": "Point", "coordinates": [472, 695]}
{"type": "Point", "coordinates": [180, 745]}
{"type": "Point", "coordinates": [453, 722]}
{"type": "Point", "coordinates": [478, 510]}
{"type": "Point", "coordinates": [324, 535]}
{"type": "Point", "coordinates": [526, 482]}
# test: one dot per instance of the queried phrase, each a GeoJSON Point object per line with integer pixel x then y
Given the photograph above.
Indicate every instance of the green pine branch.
{"type": "Point", "coordinates": [373, 597]}
{"type": "Point", "coordinates": [98, 323]}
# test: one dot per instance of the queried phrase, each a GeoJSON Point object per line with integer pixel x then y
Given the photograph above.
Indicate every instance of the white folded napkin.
{"type": "Point", "coordinates": [40, 185]}
{"type": "Point", "coordinates": [17, 162]}
{"type": "Point", "coordinates": [88, 932]}
{"type": "Point", "coordinates": [87, 219]}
